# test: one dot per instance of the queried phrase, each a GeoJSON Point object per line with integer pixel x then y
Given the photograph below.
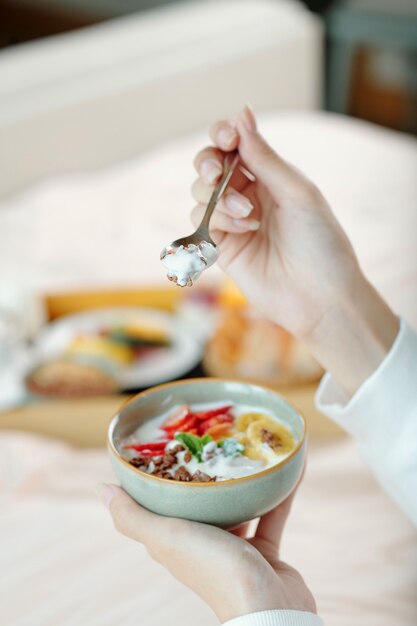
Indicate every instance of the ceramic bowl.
{"type": "Point", "coordinates": [225, 503]}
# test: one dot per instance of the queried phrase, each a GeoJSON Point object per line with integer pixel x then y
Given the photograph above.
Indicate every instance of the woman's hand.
{"type": "Point", "coordinates": [233, 575]}
{"type": "Point", "coordinates": [278, 237]}
{"type": "Point", "coordinates": [280, 242]}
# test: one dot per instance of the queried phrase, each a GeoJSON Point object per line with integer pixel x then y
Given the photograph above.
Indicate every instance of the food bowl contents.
{"type": "Point", "coordinates": [66, 378]}
{"type": "Point", "coordinates": [185, 264]}
{"type": "Point", "coordinates": [208, 443]}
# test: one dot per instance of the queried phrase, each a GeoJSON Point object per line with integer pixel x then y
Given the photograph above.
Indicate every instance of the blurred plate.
{"type": "Point", "coordinates": [162, 365]}
{"type": "Point", "coordinates": [250, 347]}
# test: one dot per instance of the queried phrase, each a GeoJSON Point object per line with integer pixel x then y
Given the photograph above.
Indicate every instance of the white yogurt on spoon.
{"type": "Point", "coordinates": [185, 265]}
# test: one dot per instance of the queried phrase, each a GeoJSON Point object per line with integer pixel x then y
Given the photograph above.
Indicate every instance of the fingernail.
{"type": "Point", "coordinates": [247, 224]}
{"type": "Point", "coordinates": [210, 170]}
{"type": "Point", "coordinates": [248, 118]}
{"type": "Point", "coordinates": [239, 205]}
{"type": "Point", "coordinates": [226, 137]}
{"type": "Point", "coordinates": [105, 493]}
{"type": "Point", "coordinates": [254, 224]}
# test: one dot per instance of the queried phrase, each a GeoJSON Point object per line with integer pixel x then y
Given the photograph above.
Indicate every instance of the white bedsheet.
{"type": "Point", "coordinates": [107, 228]}
{"type": "Point", "coordinates": [62, 563]}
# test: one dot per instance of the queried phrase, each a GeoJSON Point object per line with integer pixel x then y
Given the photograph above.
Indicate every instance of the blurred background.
{"type": "Point", "coordinates": [370, 46]}
{"type": "Point", "coordinates": [103, 106]}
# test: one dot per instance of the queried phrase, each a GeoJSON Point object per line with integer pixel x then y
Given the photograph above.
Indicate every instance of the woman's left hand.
{"type": "Point", "coordinates": [234, 574]}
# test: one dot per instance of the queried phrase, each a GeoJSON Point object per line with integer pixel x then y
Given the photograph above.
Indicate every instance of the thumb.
{"type": "Point", "coordinates": [268, 167]}
{"type": "Point", "coordinates": [129, 518]}
{"type": "Point", "coordinates": [271, 526]}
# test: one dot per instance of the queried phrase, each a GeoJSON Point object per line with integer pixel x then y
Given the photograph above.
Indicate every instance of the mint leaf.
{"type": "Point", "coordinates": [190, 441]}
{"type": "Point", "coordinates": [194, 443]}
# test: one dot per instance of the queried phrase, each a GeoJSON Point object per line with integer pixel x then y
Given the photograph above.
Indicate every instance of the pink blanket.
{"type": "Point", "coordinates": [63, 564]}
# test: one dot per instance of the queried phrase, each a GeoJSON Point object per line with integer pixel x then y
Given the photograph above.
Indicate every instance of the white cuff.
{"type": "Point", "coordinates": [382, 415]}
{"type": "Point", "coordinates": [277, 618]}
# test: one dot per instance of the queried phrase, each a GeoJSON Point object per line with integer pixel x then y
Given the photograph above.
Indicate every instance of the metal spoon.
{"type": "Point", "coordinates": [201, 237]}
{"type": "Point", "coordinates": [202, 232]}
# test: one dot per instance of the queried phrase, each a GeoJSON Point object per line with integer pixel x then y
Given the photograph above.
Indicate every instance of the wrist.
{"type": "Point", "coordinates": [258, 591]}
{"type": "Point", "coordinates": [355, 335]}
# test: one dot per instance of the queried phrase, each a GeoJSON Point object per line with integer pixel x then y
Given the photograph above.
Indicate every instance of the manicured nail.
{"type": "Point", "coordinates": [248, 118]}
{"type": "Point", "coordinates": [254, 224]}
{"type": "Point", "coordinates": [210, 170]}
{"type": "Point", "coordinates": [226, 137]}
{"type": "Point", "coordinates": [239, 205]}
{"type": "Point", "coordinates": [105, 493]}
{"type": "Point", "coordinates": [247, 224]}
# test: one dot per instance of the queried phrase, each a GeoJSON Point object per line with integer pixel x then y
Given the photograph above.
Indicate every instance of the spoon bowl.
{"type": "Point", "coordinates": [200, 240]}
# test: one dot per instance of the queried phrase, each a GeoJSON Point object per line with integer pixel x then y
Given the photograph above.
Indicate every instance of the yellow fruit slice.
{"type": "Point", "coordinates": [240, 437]}
{"type": "Point", "coordinates": [242, 421]}
{"type": "Point", "coordinates": [269, 438]}
{"type": "Point", "coordinates": [253, 453]}
{"type": "Point", "coordinates": [145, 331]}
{"type": "Point", "coordinates": [100, 347]}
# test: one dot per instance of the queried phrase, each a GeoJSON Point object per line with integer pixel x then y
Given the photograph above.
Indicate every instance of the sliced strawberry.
{"type": "Point", "coordinates": [147, 453]}
{"type": "Point", "coordinates": [218, 431]}
{"type": "Point", "coordinates": [204, 415]}
{"type": "Point", "coordinates": [185, 425]}
{"type": "Point", "coordinates": [213, 421]}
{"type": "Point", "coordinates": [156, 445]}
{"type": "Point", "coordinates": [176, 419]}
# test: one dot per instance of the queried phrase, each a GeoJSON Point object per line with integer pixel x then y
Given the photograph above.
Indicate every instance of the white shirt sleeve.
{"type": "Point", "coordinates": [382, 415]}
{"type": "Point", "coordinates": [277, 618]}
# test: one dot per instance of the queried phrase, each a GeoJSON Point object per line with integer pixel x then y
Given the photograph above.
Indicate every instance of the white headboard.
{"type": "Point", "coordinates": [104, 93]}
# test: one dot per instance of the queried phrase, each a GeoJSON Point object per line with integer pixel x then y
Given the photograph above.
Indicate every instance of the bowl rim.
{"type": "Point", "coordinates": [114, 420]}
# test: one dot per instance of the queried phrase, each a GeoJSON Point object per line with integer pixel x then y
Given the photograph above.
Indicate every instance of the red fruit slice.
{"type": "Point", "coordinates": [204, 415]}
{"type": "Point", "coordinates": [157, 445]}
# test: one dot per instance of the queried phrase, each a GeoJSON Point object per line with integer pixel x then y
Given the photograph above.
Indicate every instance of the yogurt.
{"type": "Point", "coordinates": [216, 461]}
{"type": "Point", "coordinates": [185, 264]}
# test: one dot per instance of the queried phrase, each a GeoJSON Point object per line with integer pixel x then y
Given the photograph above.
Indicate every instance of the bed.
{"type": "Point", "coordinates": [61, 560]}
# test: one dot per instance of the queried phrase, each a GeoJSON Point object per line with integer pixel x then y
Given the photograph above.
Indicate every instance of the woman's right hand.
{"type": "Point", "coordinates": [278, 238]}
{"type": "Point", "coordinates": [281, 244]}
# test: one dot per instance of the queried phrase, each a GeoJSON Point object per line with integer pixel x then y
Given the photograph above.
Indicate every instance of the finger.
{"type": "Point", "coordinates": [129, 518]}
{"type": "Point", "coordinates": [136, 522]}
{"type": "Point", "coordinates": [232, 203]}
{"type": "Point", "coordinates": [241, 531]}
{"type": "Point", "coordinates": [224, 135]}
{"type": "Point", "coordinates": [271, 525]}
{"type": "Point", "coordinates": [245, 530]}
{"type": "Point", "coordinates": [209, 164]}
{"type": "Point", "coordinates": [220, 221]}
{"type": "Point", "coordinates": [262, 160]}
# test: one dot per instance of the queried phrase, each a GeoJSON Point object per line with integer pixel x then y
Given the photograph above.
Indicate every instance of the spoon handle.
{"type": "Point", "coordinates": [230, 165]}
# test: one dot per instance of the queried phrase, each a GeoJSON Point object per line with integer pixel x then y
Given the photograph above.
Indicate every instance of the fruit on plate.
{"type": "Point", "coordinates": [249, 347]}
{"type": "Point", "coordinates": [137, 335]}
{"type": "Point", "coordinates": [67, 378]}
{"type": "Point", "coordinates": [91, 346]}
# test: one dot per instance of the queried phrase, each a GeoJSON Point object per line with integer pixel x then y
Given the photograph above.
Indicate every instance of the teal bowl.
{"type": "Point", "coordinates": [225, 503]}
